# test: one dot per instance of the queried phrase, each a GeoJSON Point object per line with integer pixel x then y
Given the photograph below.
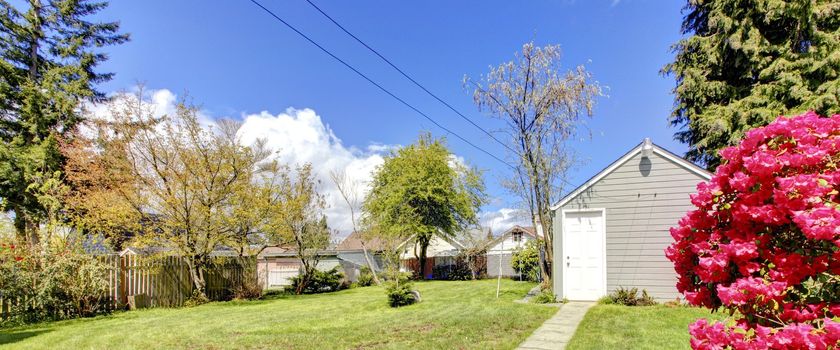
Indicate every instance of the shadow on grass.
{"type": "Point", "coordinates": [13, 336]}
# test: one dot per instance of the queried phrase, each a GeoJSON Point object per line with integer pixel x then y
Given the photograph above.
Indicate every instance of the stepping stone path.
{"type": "Point", "coordinates": [556, 332]}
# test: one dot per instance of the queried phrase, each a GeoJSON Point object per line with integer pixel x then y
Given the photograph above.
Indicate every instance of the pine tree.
{"type": "Point", "coordinates": [748, 61]}
{"type": "Point", "coordinates": [49, 54]}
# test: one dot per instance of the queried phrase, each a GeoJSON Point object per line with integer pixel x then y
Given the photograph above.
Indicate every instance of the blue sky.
{"type": "Point", "coordinates": [236, 61]}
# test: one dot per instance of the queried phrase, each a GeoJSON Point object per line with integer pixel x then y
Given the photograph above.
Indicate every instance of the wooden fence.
{"type": "Point", "coordinates": [164, 281]}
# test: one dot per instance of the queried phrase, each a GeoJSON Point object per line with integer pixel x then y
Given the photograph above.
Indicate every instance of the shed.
{"type": "Point", "coordinates": [612, 231]}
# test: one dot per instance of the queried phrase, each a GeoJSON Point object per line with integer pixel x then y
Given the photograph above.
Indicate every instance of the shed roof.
{"type": "Point", "coordinates": [689, 166]}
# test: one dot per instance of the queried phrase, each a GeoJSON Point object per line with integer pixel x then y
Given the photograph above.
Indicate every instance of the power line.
{"type": "Point", "coordinates": [409, 77]}
{"type": "Point", "coordinates": [371, 49]}
{"type": "Point", "coordinates": [313, 42]}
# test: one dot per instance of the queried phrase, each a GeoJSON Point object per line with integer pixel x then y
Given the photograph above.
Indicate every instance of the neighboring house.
{"type": "Point", "coordinates": [277, 265]}
{"type": "Point", "coordinates": [612, 231]}
{"type": "Point", "coordinates": [442, 251]}
{"type": "Point", "coordinates": [352, 255]}
{"type": "Point", "coordinates": [500, 253]}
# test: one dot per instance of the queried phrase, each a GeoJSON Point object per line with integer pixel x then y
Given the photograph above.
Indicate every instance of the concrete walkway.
{"type": "Point", "coordinates": [556, 332]}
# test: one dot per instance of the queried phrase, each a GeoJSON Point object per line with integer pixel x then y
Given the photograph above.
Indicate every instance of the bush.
{"type": "Point", "coordinates": [628, 297]}
{"type": "Point", "coordinates": [320, 281]}
{"type": "Point", "coordinates": [399, 294]}
{"type": "Point", "coordinates": [546, 296]}
{"type": "Point", "coordinates": [57, 284]}
{"type": "Point", "coordinates": [526, 261]}
{"type": "Point", "coordinates": [764, 242]}
{"type": "Point", "coordinates": [365, 277]}
{"type": "Point", "coordinates": [454, 272]}
{"type": "Point", "coordinates": [196, 299]}
{"type": "Point", "coordinates": [248, 289]}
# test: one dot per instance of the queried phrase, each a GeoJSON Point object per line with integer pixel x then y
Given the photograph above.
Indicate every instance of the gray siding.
{"type": "Point", "coordinates": [642, 201]}
{"type": "Point", "coordinates": [493, 265]}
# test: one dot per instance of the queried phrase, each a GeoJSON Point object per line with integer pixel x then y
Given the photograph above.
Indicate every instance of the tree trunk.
{"type": "Point", "coordinates": [370, 264]}
{"type": "Point", "coordinates": [424, 245]}
{"type": "Point", "coordinates": [32, 232]}
{"type": "Point", "coordinates": [34, 41]}
{"type": "Point", "coordinates": [20, 225]}
{"type": "Point", "coordinates": [197, 275]}
{"type": "Point", "coordinates": [548, 239]}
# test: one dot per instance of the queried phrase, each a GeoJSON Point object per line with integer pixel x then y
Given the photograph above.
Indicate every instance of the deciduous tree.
{"type": "Point", "coordinates": [422, 190]}
{"type": "Point", "coordinates": [542, 106]}
{"type": "Point", "coordinates": [351, 192]}
{"type": "Point", "coordinates": [180, 180]}
{"type": "Point", "coordinates": [302, 219]}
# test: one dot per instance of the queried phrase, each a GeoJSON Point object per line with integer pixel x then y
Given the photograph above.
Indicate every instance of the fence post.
{"type": "Point", "coordinates": [123, 292]}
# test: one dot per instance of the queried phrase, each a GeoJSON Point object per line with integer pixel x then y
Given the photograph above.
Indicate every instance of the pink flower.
{"type": "Point", "coordinates": [766, 225]}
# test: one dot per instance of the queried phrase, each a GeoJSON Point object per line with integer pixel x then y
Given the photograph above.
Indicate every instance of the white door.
{"type": "Point", "coordinates": [583, 255]}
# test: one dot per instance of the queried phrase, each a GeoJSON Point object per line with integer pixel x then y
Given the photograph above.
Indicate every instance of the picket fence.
{"type": "Point", "coordinates": [164, 281]}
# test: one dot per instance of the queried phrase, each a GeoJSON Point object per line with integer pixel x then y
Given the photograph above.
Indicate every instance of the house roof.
{"type": "Point", "coordinates": [528, 230]}
{"type": "Point", "coordinates": [624, 159]}
{"type": "Point", "coordinates": [451, 240]}
{"type": "Point", "coordinates": [354, 242]}
{"type": "Point", "coordinates": [288, 251]}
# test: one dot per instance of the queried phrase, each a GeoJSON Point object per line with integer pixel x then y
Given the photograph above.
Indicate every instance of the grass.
{"type": "Point", "coordinates": [637, 327]}
{"type": "Point", "coordinates": [453, 315]}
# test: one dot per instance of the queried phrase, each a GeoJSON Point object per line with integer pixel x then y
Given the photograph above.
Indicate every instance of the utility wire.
{"type": "Point", "coordinates": [409, 77]}
{"type": "Point", "coordinates": [371, 49]}
{"type": "Point", "coordinates": [313, 42]}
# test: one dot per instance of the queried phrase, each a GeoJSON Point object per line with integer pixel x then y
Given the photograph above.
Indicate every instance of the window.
{"type": "Point", "coordinates": [517, 236]}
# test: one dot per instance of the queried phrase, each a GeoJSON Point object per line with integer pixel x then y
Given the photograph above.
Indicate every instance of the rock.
{"type": "Point", "coordinates": [416, 295]}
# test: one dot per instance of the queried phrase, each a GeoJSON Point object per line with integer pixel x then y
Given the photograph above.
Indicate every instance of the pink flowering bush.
{"type": "Point", "coordinates": [764, 241]}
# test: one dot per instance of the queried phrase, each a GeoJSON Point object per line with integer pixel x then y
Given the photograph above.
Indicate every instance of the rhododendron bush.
{"type": "Point", "coordinates": [764, 241]}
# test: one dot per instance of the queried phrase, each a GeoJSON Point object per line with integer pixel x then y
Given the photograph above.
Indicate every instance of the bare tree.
{"type": "Point", "coordinates": [350, 192]}
{"type": "Point", "coordinates": [542, 106]}
{"type": "Point", "coordinates": [476, 243]}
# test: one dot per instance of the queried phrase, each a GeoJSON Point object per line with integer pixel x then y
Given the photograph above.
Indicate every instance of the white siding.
{"type": "Point", "coordinates": [437, 247]}
{"type": "Point", "coordinates": [508, 245]}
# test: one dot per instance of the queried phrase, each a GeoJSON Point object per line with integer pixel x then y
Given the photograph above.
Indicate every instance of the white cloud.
{"type": "Point", "coordinates": [300, 136]}
{"type": "Point", "coordinates": [502, 219]}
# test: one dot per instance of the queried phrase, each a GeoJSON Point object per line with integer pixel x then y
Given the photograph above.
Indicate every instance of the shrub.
{"type": "Point", "coordinates": [628, 297]}
{"type": "Point", "coordinates": [196, 299]}
{"type": "Point", "coordinates": [526, 261]}
{"type": "Point", "coordinates": [58, 283]}
{"type": "Point", "coordinates": [459, 271]}
{"type": "Point", "coordinates": [399, 294]}
{"type": "Point", "coordinates": [248, 289]}
{"type": "Point", "coordinates": [546, 296]}
{"type": "Point", "coordinates": [365, 277]}
{"type": "Point", "coordinates": [764, 241]}
{"type": "Point", "coordinates": [320, 281]}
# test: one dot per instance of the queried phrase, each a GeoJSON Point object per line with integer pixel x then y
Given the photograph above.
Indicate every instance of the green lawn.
{"type": "Point", "coordinates": [638, 327]}
{"type": "Point", "coordinates": [453, 315]}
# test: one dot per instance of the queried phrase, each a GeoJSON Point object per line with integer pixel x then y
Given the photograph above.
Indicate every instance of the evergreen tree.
{"type": "Point", "coordinates": [49, 54]}
{"type": "Point", "coordinates": [748, 61]}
